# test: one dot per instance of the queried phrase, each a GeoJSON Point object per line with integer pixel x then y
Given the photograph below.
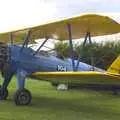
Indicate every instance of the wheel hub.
{"type": "Point", "coordinates": [22, 97]}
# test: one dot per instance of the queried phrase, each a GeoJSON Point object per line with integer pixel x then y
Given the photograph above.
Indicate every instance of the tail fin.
{"type": "Point", "coordinates": [115, 66]}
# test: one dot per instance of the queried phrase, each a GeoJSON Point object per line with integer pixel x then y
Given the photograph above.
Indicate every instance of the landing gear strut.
{"type": "Point", "coordinates": [4, 94]}
{"type": "Point", "coordinates": [22, 97]}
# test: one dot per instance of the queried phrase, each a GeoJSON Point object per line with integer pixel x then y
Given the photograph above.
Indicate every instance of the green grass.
{"type": "Point", "coordinates": [49, 104]}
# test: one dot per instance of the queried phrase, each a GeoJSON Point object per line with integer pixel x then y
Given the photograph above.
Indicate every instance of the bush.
{"type": "Point", "coordinates": [103, 53]}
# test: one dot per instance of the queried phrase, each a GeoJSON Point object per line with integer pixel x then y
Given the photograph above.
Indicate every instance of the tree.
{"type": "Point", "coordinates": [103, 53]}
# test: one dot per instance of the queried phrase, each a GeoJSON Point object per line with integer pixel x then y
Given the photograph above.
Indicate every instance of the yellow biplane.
{"type": "Point", "coordinates": [24, 62]}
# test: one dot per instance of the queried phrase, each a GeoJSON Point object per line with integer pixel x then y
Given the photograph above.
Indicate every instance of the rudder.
{"type": "Point", "coordinates": [115, 66]}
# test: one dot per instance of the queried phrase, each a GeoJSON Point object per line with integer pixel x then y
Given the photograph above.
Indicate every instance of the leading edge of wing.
{"type": "Point", "coordinates": [96, 24]}
{"type": "Point", "coordinates": [80, 76]}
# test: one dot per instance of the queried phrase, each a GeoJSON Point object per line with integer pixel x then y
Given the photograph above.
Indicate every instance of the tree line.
{"type": "Point", "coordinates": [102, 54]}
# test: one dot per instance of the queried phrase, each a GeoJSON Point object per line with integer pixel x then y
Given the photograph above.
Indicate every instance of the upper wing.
{"type": "Point", "coordinates": [96, 24]}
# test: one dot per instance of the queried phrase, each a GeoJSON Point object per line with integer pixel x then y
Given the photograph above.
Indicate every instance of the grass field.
{"type": "Point", "coordinates": [49, 104]}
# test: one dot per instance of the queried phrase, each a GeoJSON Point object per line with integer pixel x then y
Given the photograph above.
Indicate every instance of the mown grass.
{"type": "Point", "coordinates": [49, 104]}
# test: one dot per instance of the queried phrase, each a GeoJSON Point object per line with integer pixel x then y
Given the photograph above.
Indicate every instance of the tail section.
{"type": "Point", "coordinates": [115, 66]}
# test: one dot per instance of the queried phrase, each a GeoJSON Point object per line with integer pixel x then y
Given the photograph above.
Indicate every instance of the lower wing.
{"type": "Point", "coordinates": [83, 77]}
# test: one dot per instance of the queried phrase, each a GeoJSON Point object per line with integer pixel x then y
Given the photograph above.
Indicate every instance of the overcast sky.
{"type": "Point", "coordinates": [16, 14]}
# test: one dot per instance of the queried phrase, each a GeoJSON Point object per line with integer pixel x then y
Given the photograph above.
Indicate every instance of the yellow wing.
{"type": "Point", "coordinates": [84, 77]}
{"type": "Point", "coordinates": [96, 24]}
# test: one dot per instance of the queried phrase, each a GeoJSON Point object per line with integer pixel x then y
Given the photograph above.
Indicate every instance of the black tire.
{"type": "Point", "coordinates": [22, 97]}
{"type": "Point", "coordinates": [5, 94]}
{"type": "Point", "coordinates": [54, 84]}
{"type": "Point", "coordinates": [114, 92]}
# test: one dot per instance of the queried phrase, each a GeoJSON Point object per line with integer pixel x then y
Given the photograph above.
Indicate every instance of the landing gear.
{"type": "Point", "coordinates": [54, 83]}
{"type": "Point", "coordinates": [60, 86]}
{"type": "Point", "coordinates": [4, 94]}
{"type": "Point", "coordinates": [63, 87]}
{"type": "Point", "coordinates": [115, 92]}
{"type": "Point", "coordinates": [22, 97]}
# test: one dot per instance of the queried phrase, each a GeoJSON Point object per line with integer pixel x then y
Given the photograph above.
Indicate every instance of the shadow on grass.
{"type": "Point", "coordinates": [85, 105]}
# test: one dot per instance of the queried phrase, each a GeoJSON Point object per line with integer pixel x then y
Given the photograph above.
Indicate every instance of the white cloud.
{"type": "Point", "coordinates": [17, 14]}
{"type": "Point", "coordinates": [23, 13]}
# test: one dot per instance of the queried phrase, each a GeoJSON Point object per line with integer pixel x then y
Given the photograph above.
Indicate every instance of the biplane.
{"type": "Point", "coordinates": [22, 61]}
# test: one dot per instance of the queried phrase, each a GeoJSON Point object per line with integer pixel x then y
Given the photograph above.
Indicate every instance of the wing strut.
{"type": "Point", "coordinates": [10, 38]}
{"type": "Point", "coordinates": [71, 45]}
{"type": "Point", "coordinates": [91, 53]}
{"type": "Point", "coordinates": [81, 51]}
{"type": "Point", "coordinates": [26, 40]}
{"type": "Point", "coordinates": [46, 39]}
{"type": "Point", "coordinates": [87, 38]}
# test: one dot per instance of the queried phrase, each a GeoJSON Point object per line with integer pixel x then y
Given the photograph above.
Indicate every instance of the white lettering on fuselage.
{"type": "Point", "coordinates": [61, 68]}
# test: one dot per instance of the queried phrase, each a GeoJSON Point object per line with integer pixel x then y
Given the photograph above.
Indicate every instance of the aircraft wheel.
{"type": "Point", "coordinates": [55, 84]}
{"type": "Point", "coordinates": [5, 95]}
{"type": "Point", "coordinates": [62, 87]}
{"type": "Point", "coordinates": [115, 92]}
{"type": "Point", "coordinates": [22, 97]}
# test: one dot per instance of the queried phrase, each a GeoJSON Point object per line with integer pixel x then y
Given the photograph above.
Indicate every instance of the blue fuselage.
{"type": "Point", "coordinates": [24, 58]}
